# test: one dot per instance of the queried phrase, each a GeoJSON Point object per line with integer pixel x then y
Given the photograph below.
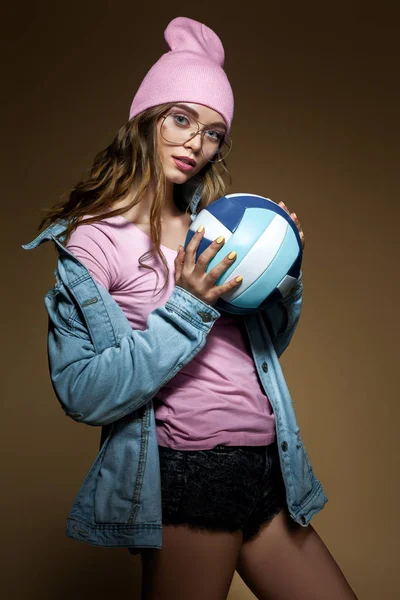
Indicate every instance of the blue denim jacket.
{"type": "Point", "coordinates": [106, 374]}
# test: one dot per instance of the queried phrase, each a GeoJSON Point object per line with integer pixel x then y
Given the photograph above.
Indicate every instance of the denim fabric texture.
{"type": "Point", "coordinates": [105, 374]}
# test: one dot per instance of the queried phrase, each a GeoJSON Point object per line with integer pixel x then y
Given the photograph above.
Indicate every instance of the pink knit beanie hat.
{"type": "Point", "coordinates": [192, 71]}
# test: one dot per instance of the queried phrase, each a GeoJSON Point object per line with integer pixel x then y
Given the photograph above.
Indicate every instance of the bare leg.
{"type": "Point", "coordinates": [286, 561]}
{"type": "Point", "coordinates": [192, 563]}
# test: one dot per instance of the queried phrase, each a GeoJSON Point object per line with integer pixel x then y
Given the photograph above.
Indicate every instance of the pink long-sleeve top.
{"type": "Point", "coordinates": [217, 397]}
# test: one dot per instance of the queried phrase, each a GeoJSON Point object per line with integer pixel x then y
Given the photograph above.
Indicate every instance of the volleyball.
{"type": "Point", "coordinates": [267, 243]}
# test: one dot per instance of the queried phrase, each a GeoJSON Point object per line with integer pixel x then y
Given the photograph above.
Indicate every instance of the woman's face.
{"type": "Point", "coordinates": [209, 118]}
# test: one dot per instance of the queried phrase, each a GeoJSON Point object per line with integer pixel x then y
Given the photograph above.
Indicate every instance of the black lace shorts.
{"type": "Point", "coordinates": [225, 488]}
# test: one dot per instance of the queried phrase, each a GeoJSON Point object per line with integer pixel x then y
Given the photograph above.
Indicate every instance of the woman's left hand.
{"type": "Point", "coordinates": [297, 222]}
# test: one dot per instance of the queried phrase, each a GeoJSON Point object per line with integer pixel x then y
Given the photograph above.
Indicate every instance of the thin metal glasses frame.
{"type": "Point", "coordinates": [199, 130]}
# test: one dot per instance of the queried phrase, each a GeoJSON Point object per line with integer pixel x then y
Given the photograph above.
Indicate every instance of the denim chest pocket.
{"type": "Point", "coordinates": [74, 319]}
{"type": "Point", "coordinates": [64, 311]}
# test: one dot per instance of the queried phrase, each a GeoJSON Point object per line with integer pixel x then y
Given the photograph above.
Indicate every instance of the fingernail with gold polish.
{"type": "Point", "coordinates": [232, 255]}
{"type": "Point", "coordinates": [220, 239]}
{"type": "Point", "coordinates": [200, 229]}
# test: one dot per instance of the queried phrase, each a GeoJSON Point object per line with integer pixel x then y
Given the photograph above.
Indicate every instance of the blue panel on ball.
{"type": "Point", "coordinates": [189, 236]}
{"type": "Point", "coordinates": [253, 224]}
{"type": "Point", "coordinates": [227, 211]}
{"type": "Point", "coordinates": [272, 299]}
{"type": "Point", "coordinates": [254, 201]}
{"type": "Point", "coordinates": [247, 216]}
{"type": "Point", "coordinates": [203, 245]}
{"type": "Point", "coordinates": [267, 282]}
{"type": "Point", "coordinates": [296, 267]}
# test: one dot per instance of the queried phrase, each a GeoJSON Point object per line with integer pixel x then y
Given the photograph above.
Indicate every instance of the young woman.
{"type": "Point", "coordinates": [198, 427]}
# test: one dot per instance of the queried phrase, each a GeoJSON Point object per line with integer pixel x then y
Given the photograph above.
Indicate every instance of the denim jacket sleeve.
{"type": "Point", "coordinates": [282, 317]}
{"type": "Point", "coordinates": [101, 369]}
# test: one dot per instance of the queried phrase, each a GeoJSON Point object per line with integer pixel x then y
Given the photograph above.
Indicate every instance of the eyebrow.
{"type": "Point", "coordinates": [196, 114]}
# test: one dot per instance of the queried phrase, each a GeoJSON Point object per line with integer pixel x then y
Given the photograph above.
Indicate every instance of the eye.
{"type": "Point", "coordinates": [180, 119]}
{"type": "Point", "coordinates": [215, 135]}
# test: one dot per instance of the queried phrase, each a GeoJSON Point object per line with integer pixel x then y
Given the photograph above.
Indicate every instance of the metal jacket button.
{"type": "Point", "coordinates": [264, 367]}
{"type": "Point", "coordinates": [206, 317]}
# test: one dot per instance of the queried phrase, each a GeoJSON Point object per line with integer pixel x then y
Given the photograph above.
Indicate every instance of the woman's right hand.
{"type": "Point", "coordinates": [191, 275]}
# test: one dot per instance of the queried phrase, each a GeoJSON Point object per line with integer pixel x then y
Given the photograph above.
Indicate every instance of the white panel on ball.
{"type": "Point", "coordinates": [213, 227]}
{"type": "Point", "coordinates": [286, 285]}
{"type": "Point", "coordinates": [258, 259]}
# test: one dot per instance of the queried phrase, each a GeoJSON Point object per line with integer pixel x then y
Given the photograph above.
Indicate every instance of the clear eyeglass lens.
{"type": "Point", "coordinates": [178, 129]}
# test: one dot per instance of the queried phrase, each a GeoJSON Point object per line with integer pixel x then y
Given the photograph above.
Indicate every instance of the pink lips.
{"type": "Point", "coordinates": [182, 165]}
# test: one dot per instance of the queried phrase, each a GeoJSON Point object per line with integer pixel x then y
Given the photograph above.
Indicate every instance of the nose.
{"type": "Point", "coordinates": [195, 142]}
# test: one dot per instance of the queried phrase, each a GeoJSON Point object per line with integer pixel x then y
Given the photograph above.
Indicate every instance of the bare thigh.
{"type": "Point", "coordinates": [286, 561]}
{"type": "Point", "coordinates": [192, 563]}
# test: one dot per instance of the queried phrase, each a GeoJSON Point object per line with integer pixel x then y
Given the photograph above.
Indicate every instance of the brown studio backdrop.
{"type": "Point", "coordinates": [316, 125]}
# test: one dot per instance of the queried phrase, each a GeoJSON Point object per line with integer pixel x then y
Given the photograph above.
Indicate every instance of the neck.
{"type": "Point", "coordinates": [141, 212]}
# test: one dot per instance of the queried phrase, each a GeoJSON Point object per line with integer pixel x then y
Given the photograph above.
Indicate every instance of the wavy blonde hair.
{"type": "Point", "coordinates": [131, 155]}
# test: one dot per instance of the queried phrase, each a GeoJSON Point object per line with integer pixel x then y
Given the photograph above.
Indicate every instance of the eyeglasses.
{"type": "Point", "coordinates": [177, 128]}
